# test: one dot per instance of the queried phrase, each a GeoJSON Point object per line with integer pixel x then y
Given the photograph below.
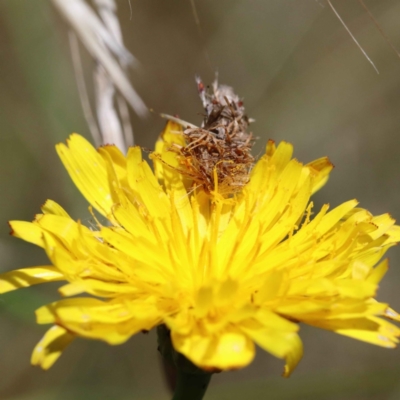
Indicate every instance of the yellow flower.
{"type": "Point", "coordinates": [222, 273]}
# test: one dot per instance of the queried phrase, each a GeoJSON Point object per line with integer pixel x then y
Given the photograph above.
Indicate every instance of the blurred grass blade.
{"type": "Point", "coordinates": [106, 113]}
{"type": "Point", "coordinates": [83, 94]}
{"type": "Point", "coordinates": [88, 25]}
{"type": "Point", "coordinates": [103, 40]}
{"type": "Point", "coordinates": [105, 101]}
{"type": "Point", "coordinates": [352, 36]}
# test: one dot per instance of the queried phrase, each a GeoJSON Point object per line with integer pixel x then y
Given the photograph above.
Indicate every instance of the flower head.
{"type": "Point", "coordinates": [222, 271]}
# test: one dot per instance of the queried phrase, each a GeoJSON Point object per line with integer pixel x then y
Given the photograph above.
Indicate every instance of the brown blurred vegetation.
{"type": "Point", "coordinates": [302, 79]}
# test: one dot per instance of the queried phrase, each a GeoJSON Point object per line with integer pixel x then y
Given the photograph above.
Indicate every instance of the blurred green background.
{"type": "Point", "coordinates": [302, 79]}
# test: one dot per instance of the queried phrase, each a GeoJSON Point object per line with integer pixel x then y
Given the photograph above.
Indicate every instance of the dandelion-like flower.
{"type": "Point", "coordinates": [221, 271]}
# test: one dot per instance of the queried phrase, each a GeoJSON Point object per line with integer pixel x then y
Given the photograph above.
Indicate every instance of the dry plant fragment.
{"type": "Point", "coordinates": [99, 31]}
{"type": "Point", "coordinates": [217, 156]}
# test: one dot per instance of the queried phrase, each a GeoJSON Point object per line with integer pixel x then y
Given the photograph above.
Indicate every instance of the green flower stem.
{"type": "Point", "coordinates": [191, 386]}
{"type": "Point", "coordinates": [191, 381]}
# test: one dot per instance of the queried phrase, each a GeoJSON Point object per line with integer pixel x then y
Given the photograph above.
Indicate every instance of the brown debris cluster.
{"type": "Point", "coordinates": [221, 147]}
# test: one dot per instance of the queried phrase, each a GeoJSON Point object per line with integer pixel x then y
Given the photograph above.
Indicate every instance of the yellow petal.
{"type": "Point", "coordinates": [87, 169]}
{"type": "Point", "coordinates": [271, 320]}
{"type": "Point", "coordinates": [334, 216]}
{"type": "Point", "coordinates": [51, 346]}
{"type": "Point", "coordinates": [114, 183]}
{"type": "Point", "coordinates": [97, 288]}
{"type": "Point", "coordinates": [281, 344]}
{"type": "Point", "coordinates": [225, 351]}
{"type": "Point", "coordinates": [368, 329]}
{"type": "Point", "coordinates": [117, 157]}
{"type": "Point", "coordinates": [270, 148]}
{"type": "Point", "coordinates": [166, 161]}
{"type": "Point", "coordinates": [392, 314]}
{"type": "Point", "coordinates": [378, 272]}
{"type": "Point", "coordinates": [64, 229]}
{"type": "Point", "coordinates": [356, 289]}
{"type": "Point", "coordinates": [26, 277]}
{"type": "Point", "coordinates": [271, 287]}
{"type": "Point", "coordinates": [282, 156]}
{"type": "Point", "coordinates": [62, 258]}
{"type": "Point", "coordinates": [112, 322]}
{"type": "Point", "coordinates": [141, 250]}
{"type": "Point", "coordinates": [145, 185]}
{"type": "Point", "coordinates": [28, 231]}
{"type": "Point", "coordinates": [394, 233]}
{"type": "Point", "coordinates": [384, 223]}
{"type": "Point", "coordinates": [129, 217]}
{"type": "Point", "coordinates": [320, 171]}
{"type": "Point", "coordinates": [51, 207]}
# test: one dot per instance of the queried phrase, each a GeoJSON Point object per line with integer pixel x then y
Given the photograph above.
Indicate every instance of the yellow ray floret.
{"type": "Point", "coordinates": [222, 274]}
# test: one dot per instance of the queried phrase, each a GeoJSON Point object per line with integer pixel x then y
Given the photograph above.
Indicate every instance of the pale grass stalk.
{"type": "Point", "coordinates": [102, 38]}
{"type": "Point", "coordinates": [352, 36]}
{"type": "Point", "coordinates": [83, 94]}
